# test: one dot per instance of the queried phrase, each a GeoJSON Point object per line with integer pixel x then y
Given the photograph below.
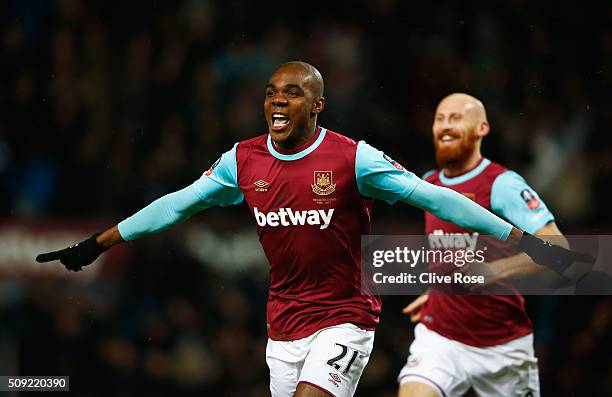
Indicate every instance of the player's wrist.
{"type": "Point", "coordinates": [92, 245]}
{"type": "Point", "coordinates": [109, 238]}
{"type": "Point", "coordinates": [544, 253]}
{"type": "Point", "coordinates": [531, 244]}
{"type": "Point", "coordinates": [515, 236]}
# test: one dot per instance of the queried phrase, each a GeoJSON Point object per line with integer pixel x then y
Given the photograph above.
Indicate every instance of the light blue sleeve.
{"type": "Point", "coordinates": [380, 177]}
{"type": "Point", "coordinates": [218, 186]}
{"type": "Point", "coordinates": [512, 198]}
{"type": "Point", "coordinates": [453, 207]}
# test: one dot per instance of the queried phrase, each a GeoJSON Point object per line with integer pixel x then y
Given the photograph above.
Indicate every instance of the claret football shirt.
{"type": "Point", "coordinates": [311, 206]}
{"type": "Point", "coordinates": [487, 319]}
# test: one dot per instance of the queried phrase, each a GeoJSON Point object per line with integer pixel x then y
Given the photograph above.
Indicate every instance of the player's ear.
{"type": "Point", "coordinates": [484, 129]}
{"type": "Point", "coordinates": [318, 105]}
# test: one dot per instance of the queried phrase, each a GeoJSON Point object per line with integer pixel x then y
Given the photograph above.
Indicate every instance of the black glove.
{"type": "Point", "coordinates": [76, 256]}
{"type": "Point", "coordinates": [552, 256]}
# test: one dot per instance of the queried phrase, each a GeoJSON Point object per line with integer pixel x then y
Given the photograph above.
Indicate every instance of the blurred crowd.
{"type": "Point", "coordinates": [147, 94]}
{"type": "Point", "coordinates": [106, 106]}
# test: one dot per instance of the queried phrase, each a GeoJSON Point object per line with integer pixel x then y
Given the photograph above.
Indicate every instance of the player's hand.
{"type": "Point", "coordinates": [76, 256]}
{"type": "Point", "coordinates": [414, 308]}
{"type": "Point", "coordinates": [553, 256]}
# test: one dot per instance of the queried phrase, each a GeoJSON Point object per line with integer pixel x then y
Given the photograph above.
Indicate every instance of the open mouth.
{"type": "Point", "coordinates": [447, 138]}
{"type": "Point", "coordinates": [279, 121]}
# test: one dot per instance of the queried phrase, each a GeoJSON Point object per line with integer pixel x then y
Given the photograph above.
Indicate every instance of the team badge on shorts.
{"type": "Point", "coordinates": [323, 183]}
{"type": "Point", "coordinates": [530, 198]}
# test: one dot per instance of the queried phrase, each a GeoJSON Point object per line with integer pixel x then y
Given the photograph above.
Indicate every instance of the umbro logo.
{"type": "Point", "coordinates": [261, 185]}
{"type": "Point", "coordinates": [334, 379]}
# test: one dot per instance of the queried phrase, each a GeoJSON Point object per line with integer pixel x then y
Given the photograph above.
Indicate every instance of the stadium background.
{"type": "Point", "coordinates": [106, 106]}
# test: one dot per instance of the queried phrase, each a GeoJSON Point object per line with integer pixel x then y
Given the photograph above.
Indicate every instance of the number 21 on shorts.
{"type": "Point", "coordinates": [334, 361]}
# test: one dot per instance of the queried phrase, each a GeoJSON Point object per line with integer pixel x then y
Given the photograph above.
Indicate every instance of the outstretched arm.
{"type": "Point", "coordinates": [453, 207]}
{"type": "Point", "coordinates": [380, 177]}
{"type": "Point", "coordinates": [218, 186]}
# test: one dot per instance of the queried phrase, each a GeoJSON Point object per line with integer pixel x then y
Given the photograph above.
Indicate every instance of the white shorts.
{"type": "Point", "coordinates": [331, 359]}
{"type": "Point", "coordinates": [452, 368]}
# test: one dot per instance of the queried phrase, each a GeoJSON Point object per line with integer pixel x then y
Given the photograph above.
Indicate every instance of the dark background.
{"type": "Point", "coordinates": [105, 106]}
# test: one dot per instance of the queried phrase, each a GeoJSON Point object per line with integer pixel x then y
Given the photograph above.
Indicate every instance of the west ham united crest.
{"type": "Point", "coordinates": [323, 183]}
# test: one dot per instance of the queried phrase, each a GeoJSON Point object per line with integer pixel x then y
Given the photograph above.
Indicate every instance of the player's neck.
{"type": "Point", "coordinates": [453, 169]}
{"type": "Point", "coordinates": [305, 139]}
